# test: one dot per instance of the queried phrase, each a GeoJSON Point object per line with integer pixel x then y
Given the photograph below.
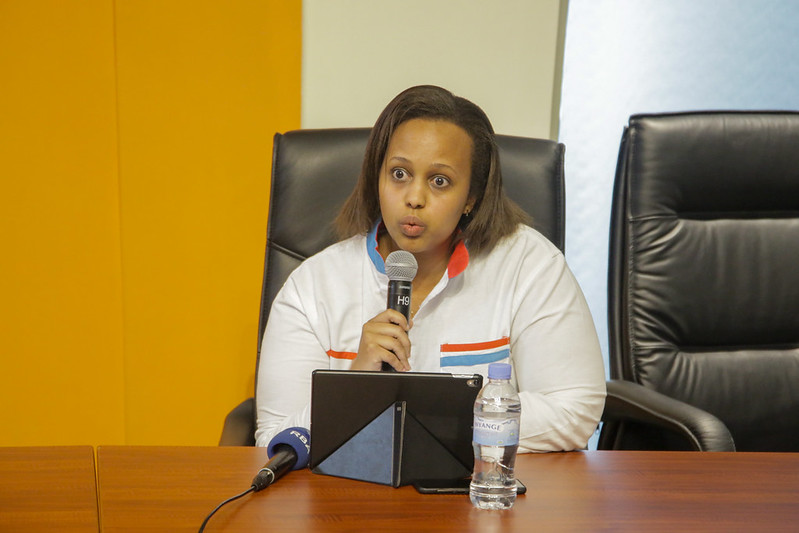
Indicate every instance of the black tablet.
{"type": "Point", "coordinates": [392, 427]}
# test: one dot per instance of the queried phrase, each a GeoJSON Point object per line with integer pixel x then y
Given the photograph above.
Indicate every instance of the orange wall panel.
{"type": "Point", "coordinates": [135, 151]}
{"type": "Point", "coordinates": [203, 86]}
{"type": "Point", "coordinates": [60, 275]}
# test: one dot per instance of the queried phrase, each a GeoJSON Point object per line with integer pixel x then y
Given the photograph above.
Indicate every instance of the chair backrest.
{"type": "Point", "coordinates": [703, 286]}
{"type": "Point", "coordinates": [314, 171]}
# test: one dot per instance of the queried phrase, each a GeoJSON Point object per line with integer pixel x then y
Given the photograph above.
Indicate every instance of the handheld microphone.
{"type": "Point", "coordinates": [401, 268]}
{"type": "Point", "coordinates": [288, 450]}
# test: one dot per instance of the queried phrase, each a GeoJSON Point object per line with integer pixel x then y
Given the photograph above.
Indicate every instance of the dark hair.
{"type": "Point", "coordinates": [493, 216]}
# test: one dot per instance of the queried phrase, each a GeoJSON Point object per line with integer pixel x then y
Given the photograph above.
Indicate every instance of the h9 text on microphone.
{"type": "Point", "coordinates": [401, 268]}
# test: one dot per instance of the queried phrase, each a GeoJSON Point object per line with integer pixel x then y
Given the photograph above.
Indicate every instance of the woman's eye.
{"type": "Point", "coordinates": [440, 181]}
{"type": "Point", "coordinates": [398, 174]}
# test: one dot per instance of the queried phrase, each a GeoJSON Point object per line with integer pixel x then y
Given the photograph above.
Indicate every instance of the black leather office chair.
{"type": "Point", "coordinates": [313, 171]}
{"type": "Point", "coordinates": [703, 293]}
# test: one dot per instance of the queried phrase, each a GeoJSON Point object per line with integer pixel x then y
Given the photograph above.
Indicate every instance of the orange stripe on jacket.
{"type": "Point", "coordinates": [341, 355]}
{"type": "Point", "coordinates": [504, 341]}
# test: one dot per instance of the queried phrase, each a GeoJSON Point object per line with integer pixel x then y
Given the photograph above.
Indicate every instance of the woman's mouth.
{"type": "Point", "coordinates": [411, 226]}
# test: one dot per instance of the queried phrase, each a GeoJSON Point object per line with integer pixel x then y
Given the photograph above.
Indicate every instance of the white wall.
{"type": "Point", "coordinates": [649, 56]}
{"type": "Point", "coordinates": [501, 54]}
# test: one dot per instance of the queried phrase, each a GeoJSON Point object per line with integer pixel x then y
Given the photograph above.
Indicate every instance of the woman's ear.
{"type": "Point", "coordinates": [467, 210]}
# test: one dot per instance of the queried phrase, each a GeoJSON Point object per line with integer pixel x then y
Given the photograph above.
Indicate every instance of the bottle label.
{"type": "Point", "coordinates": [491, 432]}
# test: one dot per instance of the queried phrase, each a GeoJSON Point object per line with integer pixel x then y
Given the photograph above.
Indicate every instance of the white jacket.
{"type": "Point", "coordinates": [518, 302]}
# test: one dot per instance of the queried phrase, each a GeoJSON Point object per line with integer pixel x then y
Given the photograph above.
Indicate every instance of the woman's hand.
{"type": "Point", "coordinates": [384, 338]}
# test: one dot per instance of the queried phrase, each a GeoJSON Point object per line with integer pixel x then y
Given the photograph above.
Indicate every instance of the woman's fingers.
{"type": "Point", "coordinates": [384, 338]}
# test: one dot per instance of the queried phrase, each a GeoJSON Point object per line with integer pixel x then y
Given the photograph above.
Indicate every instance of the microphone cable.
{"type": "Point", "coordinates": [218, 507]}
{"type": "Point", "coordinates": [263, 479]}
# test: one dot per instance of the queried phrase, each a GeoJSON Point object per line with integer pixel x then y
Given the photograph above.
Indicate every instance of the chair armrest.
{"type": "Point", "coordinates": [239, 428]}
{"type": "Point", "coordinates": [628, 401]}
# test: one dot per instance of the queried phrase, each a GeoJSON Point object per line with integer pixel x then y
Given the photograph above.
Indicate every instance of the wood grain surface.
{"type": "Point", "coordinates": [174, 488]}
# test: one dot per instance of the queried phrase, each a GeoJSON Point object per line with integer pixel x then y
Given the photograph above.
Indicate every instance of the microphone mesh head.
{"type": "Point", "coordinates": [401, 266]}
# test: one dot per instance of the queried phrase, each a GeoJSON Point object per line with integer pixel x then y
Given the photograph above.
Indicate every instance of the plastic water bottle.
{"type": "Point", "coordinates": [497, 411]}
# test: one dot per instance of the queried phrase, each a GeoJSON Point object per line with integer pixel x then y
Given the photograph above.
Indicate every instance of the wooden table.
{"type": "Point", "coordinates": [48, 489]}
{"type": "Point", "coordinates": [174, 488]}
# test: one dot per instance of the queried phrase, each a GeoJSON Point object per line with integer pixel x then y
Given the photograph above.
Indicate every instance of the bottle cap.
{"type": "Point", "coordinates": [499, 371]}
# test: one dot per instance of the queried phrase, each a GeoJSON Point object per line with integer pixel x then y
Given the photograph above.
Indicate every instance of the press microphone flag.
{"type": "Point", "coordinates": [288, 450]}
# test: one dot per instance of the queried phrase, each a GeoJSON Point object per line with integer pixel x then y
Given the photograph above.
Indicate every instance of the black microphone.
{"type": "Point", "coordinates": [401, 269]}
{"type": "Point", "coordinates": [288, 450]}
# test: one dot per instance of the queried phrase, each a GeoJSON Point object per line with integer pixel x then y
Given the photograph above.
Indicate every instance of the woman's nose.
{"type": "Point", "coordinates": [415, 194]}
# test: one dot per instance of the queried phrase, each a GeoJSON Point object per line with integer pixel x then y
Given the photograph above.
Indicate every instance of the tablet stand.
{"type": "Point", "coordinates": [393, 449]}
